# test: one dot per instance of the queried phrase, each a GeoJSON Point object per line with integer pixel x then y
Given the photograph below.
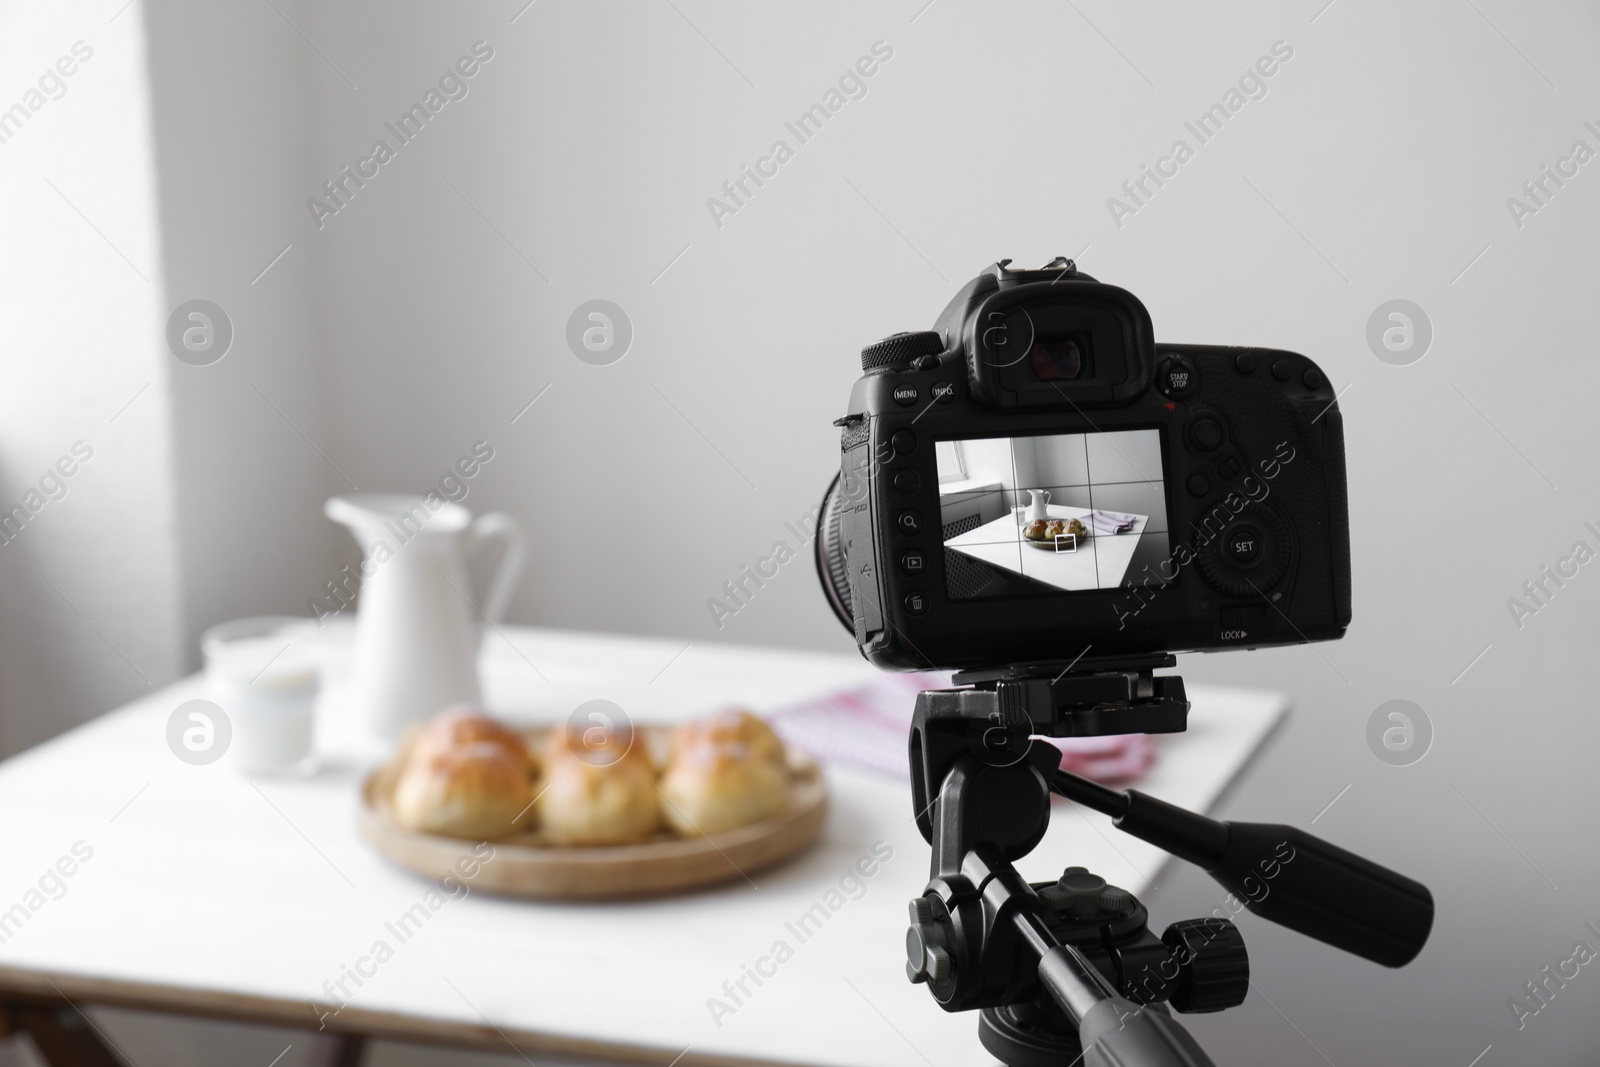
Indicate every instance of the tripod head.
{"type": "Point", "coordinates": [1070, 967]}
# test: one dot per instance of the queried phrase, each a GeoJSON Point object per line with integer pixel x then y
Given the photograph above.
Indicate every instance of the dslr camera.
{"type": "Point", "coordinates": [1036, 478]}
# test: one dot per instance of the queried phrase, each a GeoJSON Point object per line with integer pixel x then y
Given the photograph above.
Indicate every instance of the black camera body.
{"type": "Point", "coordinates": [1037, 480]}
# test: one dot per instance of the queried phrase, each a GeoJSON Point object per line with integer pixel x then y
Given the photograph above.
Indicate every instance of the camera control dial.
{"type": "Point", "coordinates": [900, 349]}
{"type": "Point", "coordinates": [1249, 557]}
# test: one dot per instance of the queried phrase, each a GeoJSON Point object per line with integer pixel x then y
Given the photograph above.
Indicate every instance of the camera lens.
{"type": "Point", "coordinates": [1056, 360]}
{"type": "Point", "coordinates": [828, 553]}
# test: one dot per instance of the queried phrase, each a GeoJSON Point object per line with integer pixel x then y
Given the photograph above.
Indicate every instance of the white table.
{"type": "Point", "coordinates": [210, 894]}
{"type": "Point", "coordinates": [1095, 562]}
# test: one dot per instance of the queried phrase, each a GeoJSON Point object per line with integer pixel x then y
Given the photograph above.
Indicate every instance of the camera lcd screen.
{"type": "Point", "coordinates": [1052, 513]}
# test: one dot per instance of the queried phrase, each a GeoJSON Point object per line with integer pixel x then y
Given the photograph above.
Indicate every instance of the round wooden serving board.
{"type": "Point", "coordinates": [524, 866]}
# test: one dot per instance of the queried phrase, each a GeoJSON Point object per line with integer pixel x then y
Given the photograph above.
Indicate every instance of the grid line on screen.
{"type": "Point", "coordinates": [1062, 463]}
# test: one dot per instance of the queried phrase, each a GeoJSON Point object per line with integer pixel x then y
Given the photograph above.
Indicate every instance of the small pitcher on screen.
{"type": "Point", "coordinates": [1038, 504]}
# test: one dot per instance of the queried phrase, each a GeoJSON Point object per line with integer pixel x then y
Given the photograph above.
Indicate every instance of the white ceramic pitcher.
{"type": "Point", "coordinates": [417, 634]}
{"type": "Point", "coordinates": [1038, 504]}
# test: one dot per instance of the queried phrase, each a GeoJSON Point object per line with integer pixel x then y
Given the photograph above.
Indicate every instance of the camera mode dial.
{"type": "Point", "coordinates": [900, 349]}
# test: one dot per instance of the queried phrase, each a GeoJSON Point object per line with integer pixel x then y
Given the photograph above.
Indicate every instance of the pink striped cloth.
{"type": "Point", "coordinates": [1111, 522]}
{"type": "Point", "coordinates": [868, 726]}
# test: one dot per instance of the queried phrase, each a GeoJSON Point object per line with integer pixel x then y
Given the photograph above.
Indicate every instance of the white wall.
{"type": "Point", "coordinates": [91, 583]}
{"type": "Point", "coordinates": [234, 90]}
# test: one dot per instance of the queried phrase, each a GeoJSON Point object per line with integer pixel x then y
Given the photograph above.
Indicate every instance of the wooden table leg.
{"type": "Point", "coordinates": [63, 1037]}
{"type": "Point", "coordinates": [335, 1050]}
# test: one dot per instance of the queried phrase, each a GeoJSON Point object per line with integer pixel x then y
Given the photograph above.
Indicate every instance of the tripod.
{"type": "Point", "coordinates": [1068, 970]}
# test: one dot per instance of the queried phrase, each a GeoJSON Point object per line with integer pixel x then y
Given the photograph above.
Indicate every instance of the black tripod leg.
{"type": "Point", "coordinates": [63, 1037]}
{"type": "Point", "coordinates": [335, 1050]}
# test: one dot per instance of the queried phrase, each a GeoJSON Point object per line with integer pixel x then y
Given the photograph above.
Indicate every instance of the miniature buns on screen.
{"type": "Point", "coordinates": [475, 791]}
{"type": "Point", "coordinates": [711, 788]}
{"type": "Point", "coordinates": [465, 725]}
{"type": "Point", "coordinates": [583, 803]}
{"type": "Point", "coordinates": [734, 727]}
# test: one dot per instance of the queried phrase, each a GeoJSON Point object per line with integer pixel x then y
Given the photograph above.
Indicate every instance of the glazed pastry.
{"type": "Point", "coordinates": [1035, 530]}
{"type": "Point", "coordinates": [596, 745]}
{"type": "Point", "coordinates": [734, 727]}
{"type": "Point", "coordinates": [1077, 529]}
{"type": "Point", "coordinates": [584, 803]}
{"type": "Point", "coordinates": [1055, 528]}
{"type": "Point", "coordinates": [466, 725]}
{"type": "Point", "coordinates": [479, 791]}
{"type": "Point", "coordinates": [711, 788]}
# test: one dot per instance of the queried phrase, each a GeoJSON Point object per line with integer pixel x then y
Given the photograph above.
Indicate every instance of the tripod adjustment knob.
{"type": "Point", "coordinates": [1084, 895]}
{"type": "Point", "coordinates": [1213, 966]}
{"type": "Point", "coordinates": [938, 964]}
{"type": "Point", "coordinates": [1116, 899]}
{"type": "Point", "coordinates": [927, 950]}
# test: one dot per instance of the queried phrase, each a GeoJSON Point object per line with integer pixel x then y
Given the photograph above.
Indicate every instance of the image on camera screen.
{"type": "Point", "coordinates": [1053, 513]}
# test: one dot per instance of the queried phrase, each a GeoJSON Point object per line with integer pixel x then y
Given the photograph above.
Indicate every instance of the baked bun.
{"type": "Point", "coordinates": [475, 791]}
{"type": "Point", "coordinates": [732, 727]}
{"type": "Point", "coordinates": [711, 788]}
{"type": "Point", "coordinates": [582, 803]}
{"type": "Point", "coordinates": [597, 746]}
{"type": "Point", "coordinates": [465, 725]}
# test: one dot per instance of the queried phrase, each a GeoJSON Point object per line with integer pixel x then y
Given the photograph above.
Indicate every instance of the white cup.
{"type": "Point", "coordinates": [263, 673]}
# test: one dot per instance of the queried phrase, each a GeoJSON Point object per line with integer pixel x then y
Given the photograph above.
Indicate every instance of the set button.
{"type": "Point", "coordinates": [1243, 545]}
{"type": "Point", "coordinates": [906, 482]}
{"type": "Point", "coordinates": [903, 442]}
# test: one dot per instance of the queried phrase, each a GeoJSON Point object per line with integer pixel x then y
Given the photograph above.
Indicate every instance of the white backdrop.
{"type": "Point", "coordinates": [89, 568]}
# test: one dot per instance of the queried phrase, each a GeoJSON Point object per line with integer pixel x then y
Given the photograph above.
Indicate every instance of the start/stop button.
{"type": "Point", "coordinates": [1176, 378]}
